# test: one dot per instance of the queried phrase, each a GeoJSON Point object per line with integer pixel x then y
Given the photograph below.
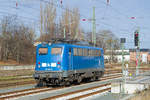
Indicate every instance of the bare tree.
{"type": "Point", "coordinates": [70, 22]}
{"type": "Point", "coordinates": [6, 29]}
{"type": "Point", "coordinates": [75, 20]}
{"type": "Point", "coordinates": [47, 21]}
{"type": "Point", "coordinates": [0, 48]}
{"type": "Point", "coordinates": [17, 40]}
{"type": "Point", "coordinates": [107, 40]}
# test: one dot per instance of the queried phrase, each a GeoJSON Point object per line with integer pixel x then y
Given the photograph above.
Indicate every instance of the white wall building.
{"type": "Point", "coordinates": [117, 55]}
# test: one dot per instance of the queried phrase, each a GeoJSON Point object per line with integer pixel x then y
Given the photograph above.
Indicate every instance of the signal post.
{"type": "Point", "coordinates": [122, 41]}
{"type": "Point", "coordinates": [136, 43]}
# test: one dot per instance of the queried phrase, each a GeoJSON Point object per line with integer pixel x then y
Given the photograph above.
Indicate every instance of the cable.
{"type": "Point", "coordinates": [61, 6]}
{"type": "Point", "coordinates": [26, 6]}
{"type": "Point", "coordinates": [116, 10]}
{"type": "Point", "coordinates": [3, 12]}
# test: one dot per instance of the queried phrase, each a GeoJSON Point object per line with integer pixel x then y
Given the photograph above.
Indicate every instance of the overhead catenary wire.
{"type": "Point", "coordinates": [4, 12]}
{"type": "Point", "coordinates": [64, 8]}
{"type": "Point", "coordinates": [14, 13]}
{"type": "Point", "coordinates": [117, 11]}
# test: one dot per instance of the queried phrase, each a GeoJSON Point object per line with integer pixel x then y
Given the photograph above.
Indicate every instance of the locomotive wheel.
{"type": "Point", "coordinates": [79, 79]}
{"type": "Point", "coordinates": [67, 83]}
{"type": "Point", "coordinates": [93, 78]}
{"type": "Point", "coordinates": [41, 83]}
{"type": "Point", "coordinates": [62, 83]}
{"type": "Point", "coordinates": [96, 78]}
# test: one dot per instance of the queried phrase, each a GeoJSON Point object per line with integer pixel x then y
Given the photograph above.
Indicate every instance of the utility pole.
{"type": "Point", "coordinates": [64, 33]}
{"type": "Point", "coordinates": [123, 40]}
{"type": "Point", "coordinates": [94, 28]}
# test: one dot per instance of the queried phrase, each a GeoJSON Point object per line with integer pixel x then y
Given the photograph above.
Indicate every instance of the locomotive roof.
{"type": "Point", "coordinates": [70, 42]}
{"type": "Point", "coordinates": [72, 45]}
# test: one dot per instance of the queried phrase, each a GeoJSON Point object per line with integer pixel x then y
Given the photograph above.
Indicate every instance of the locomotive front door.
{"type": "Point", "coordinates": [70, 59]}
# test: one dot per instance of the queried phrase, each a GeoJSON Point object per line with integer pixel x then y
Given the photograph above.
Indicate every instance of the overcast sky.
{"type": "Point", "coordinates": [122, 17]}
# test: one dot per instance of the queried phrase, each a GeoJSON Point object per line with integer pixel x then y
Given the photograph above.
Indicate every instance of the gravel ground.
{"type": "Point", "coordinates": [145, 95]}
{"type": "Point", "coordinates": [17, 88]}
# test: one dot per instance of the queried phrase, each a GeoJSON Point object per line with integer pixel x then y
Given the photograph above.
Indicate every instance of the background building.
{"type": "Point", "coordinates": [116, 56]}
{"type": "Point", "coordinates": [144, 55]}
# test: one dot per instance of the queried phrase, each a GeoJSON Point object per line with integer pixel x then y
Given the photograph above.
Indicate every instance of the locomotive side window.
{"type": "Point", "coordinates": [75, 52]}
{"type": "Point", "coordinates": [98, 53]}
{"type": "Point", "coordinates": [85, 52]}
{"type": "Point", "coordinates": [56, 51]}
{"type": "Point", "coordinates": [43, 51]}
{"type": "Point", "coordinates": [90, 52]}
{"type": "Point", "coordinates": [79, 52]}
{"type": "Point", "coordinates": [93, 53]}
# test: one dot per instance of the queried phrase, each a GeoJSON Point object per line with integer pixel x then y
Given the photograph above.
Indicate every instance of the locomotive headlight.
{"type": "Point", "coordinates": [58, 66]}
{"type": "Point", "coordinates": [39, 64]}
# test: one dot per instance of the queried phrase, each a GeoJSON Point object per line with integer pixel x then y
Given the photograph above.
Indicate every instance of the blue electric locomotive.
{"type": "Point", "coordinates": [62, 63]}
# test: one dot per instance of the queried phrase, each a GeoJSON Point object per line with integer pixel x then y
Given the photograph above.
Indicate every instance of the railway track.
{"type": "Point", "coordinates": [109, 74]}
{"type": "Point", "coordinates": [75, 95]}
{"type": "Point", "coordinates": [16, 78]}
{"type": "Point", "coordinates": [108, 70]}
{"type": "Point", "coordinates": [26, 92]}
{"type": "Point", "coordinates": [84, 93]}
{"type": "Point", "coordinates": [18, 83]}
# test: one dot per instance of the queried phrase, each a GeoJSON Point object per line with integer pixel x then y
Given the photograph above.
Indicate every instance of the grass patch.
{"type": "Point", "coordinates": [15, 81]}
{"type": "Point", "coordinates": [8, 73]}
{"type": "Point", "coordinates": [144, 95]}
{"type": "Point", "coordinates": [6, 78]}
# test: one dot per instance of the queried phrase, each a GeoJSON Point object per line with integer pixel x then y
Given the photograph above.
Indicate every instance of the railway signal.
{"type": "Point", "coordinates": [123, 41]}
{"type": "Point", "coordinates": [132, 17]}
{"type": "Point", "coordinates": [16, 4]}
{"type": "Point", "coordinates": [136, 38]}
{"type": "Point", "coordinates": [107, 2]}
{"type": "Point", "coordinates": [61, 1]}
{"type": "Point", "coordinates": [136, 41]}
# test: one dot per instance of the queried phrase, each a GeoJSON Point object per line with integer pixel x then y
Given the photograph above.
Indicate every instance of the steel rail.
{"type": "Point", "coordinates": [28, 91]}
{"type": "Point", "coordinates": [74, 92]}
{"type": "Point", "coordinates": [90, 94]}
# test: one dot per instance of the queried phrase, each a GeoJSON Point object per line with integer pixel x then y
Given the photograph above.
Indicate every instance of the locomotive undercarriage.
{"type": "Point", "coordinates": [46, 80]}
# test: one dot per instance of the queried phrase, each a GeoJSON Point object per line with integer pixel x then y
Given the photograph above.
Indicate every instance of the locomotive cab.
{"type": "Point", "coordinates": [49, 58]}
{"type": "Point", "coordinates": [49, 63]}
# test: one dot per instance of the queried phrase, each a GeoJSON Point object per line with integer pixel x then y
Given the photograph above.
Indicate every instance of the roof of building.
{"type": "Point", "coordinates": [141, 50]}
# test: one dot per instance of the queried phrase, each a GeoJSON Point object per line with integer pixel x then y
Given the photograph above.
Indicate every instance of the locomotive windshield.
{"type": "Point", "coordinates": [43, 51]}
{"type": "Point", "coordinates": [56, 50]}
